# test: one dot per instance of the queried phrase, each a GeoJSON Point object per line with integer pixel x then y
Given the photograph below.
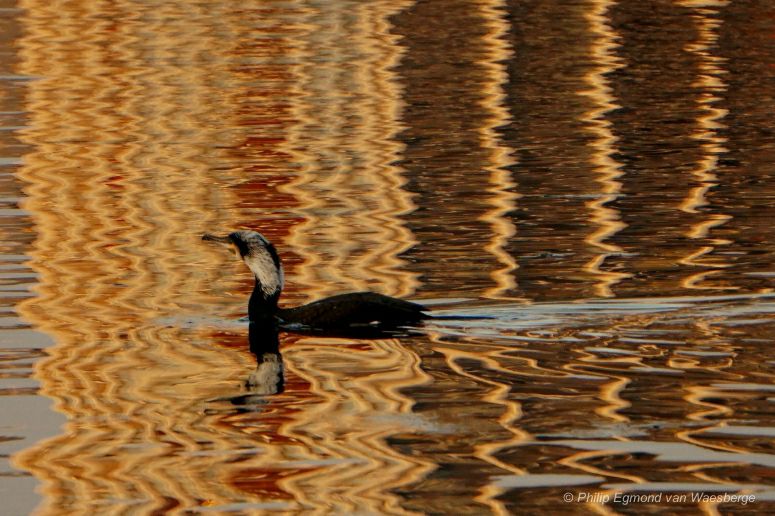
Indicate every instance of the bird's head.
{"type": "Point", "coordinates": [259, 255]}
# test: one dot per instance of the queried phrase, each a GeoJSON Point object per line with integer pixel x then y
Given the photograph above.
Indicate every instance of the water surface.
{"type": "Point", "coordinates": [595, 176]}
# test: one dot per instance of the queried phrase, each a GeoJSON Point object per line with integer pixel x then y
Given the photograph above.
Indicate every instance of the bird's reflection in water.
{"type": "Point", "coordinates": [265, 345]}
{"type": "Point", "coordinates": [268, 377]}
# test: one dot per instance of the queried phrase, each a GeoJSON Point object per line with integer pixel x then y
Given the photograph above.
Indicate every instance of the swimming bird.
{"type": "Point", "coordinates": [365, 312]}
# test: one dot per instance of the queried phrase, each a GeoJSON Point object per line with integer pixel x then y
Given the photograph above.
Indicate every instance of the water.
{"type": "Point", "coordinates": [595, 176]}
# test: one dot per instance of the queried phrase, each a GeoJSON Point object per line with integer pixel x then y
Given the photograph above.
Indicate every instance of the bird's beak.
{"type": "Point", "coordinates": [219, 239]}
{"type": "Point", "coordinates": [223, 240]}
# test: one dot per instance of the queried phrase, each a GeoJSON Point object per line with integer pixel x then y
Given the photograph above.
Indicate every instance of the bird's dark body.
{"type": "Point", "coordinates": [358, 309]}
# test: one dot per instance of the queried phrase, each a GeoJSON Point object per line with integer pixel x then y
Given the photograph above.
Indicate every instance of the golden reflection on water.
{"type": "Point", "coordinates": [482, 150]}
{"type": "Point", "coordinates": [116, 218]}
{"type": "Point", "coordinates": [455, 158]}
{"type": "Point", "coordinates": [347, 185]}
{"type": "Point", "coordinates": [711, 124]}
{"type": "Point", "coordinates": [118, 224]}
{"type": "Point", "coordinates": [510, 413]}
{"type": "Point", "coordinates": [349, 422]}
{"type": "Point", "coordinates": [503, 187]}
{"type": "Point", "coordinates": [603, 52]}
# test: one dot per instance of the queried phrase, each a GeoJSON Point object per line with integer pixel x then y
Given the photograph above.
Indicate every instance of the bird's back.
{"type": "Point", "coordinates": [354, 310]}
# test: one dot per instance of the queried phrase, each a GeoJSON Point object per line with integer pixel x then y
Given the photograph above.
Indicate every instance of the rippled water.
{"type": "Point", "coordinates": [594, 176]}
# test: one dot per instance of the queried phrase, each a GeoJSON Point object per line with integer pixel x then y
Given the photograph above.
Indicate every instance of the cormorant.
{"type": "Point", "coordinates": [359, 312]}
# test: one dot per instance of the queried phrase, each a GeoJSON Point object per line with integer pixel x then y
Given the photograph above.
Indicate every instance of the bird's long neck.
{"type": "Point", "coordinates": [263, 304]}
{"type": "Point", "coordinates": [268, 273]}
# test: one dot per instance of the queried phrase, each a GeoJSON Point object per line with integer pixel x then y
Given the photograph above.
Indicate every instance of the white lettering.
{"type": "Point", "coordinates": [723, 498]}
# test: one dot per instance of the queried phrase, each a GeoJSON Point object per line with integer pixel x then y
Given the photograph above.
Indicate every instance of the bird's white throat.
{"type": "Point", "coordinates": [269, 276]}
